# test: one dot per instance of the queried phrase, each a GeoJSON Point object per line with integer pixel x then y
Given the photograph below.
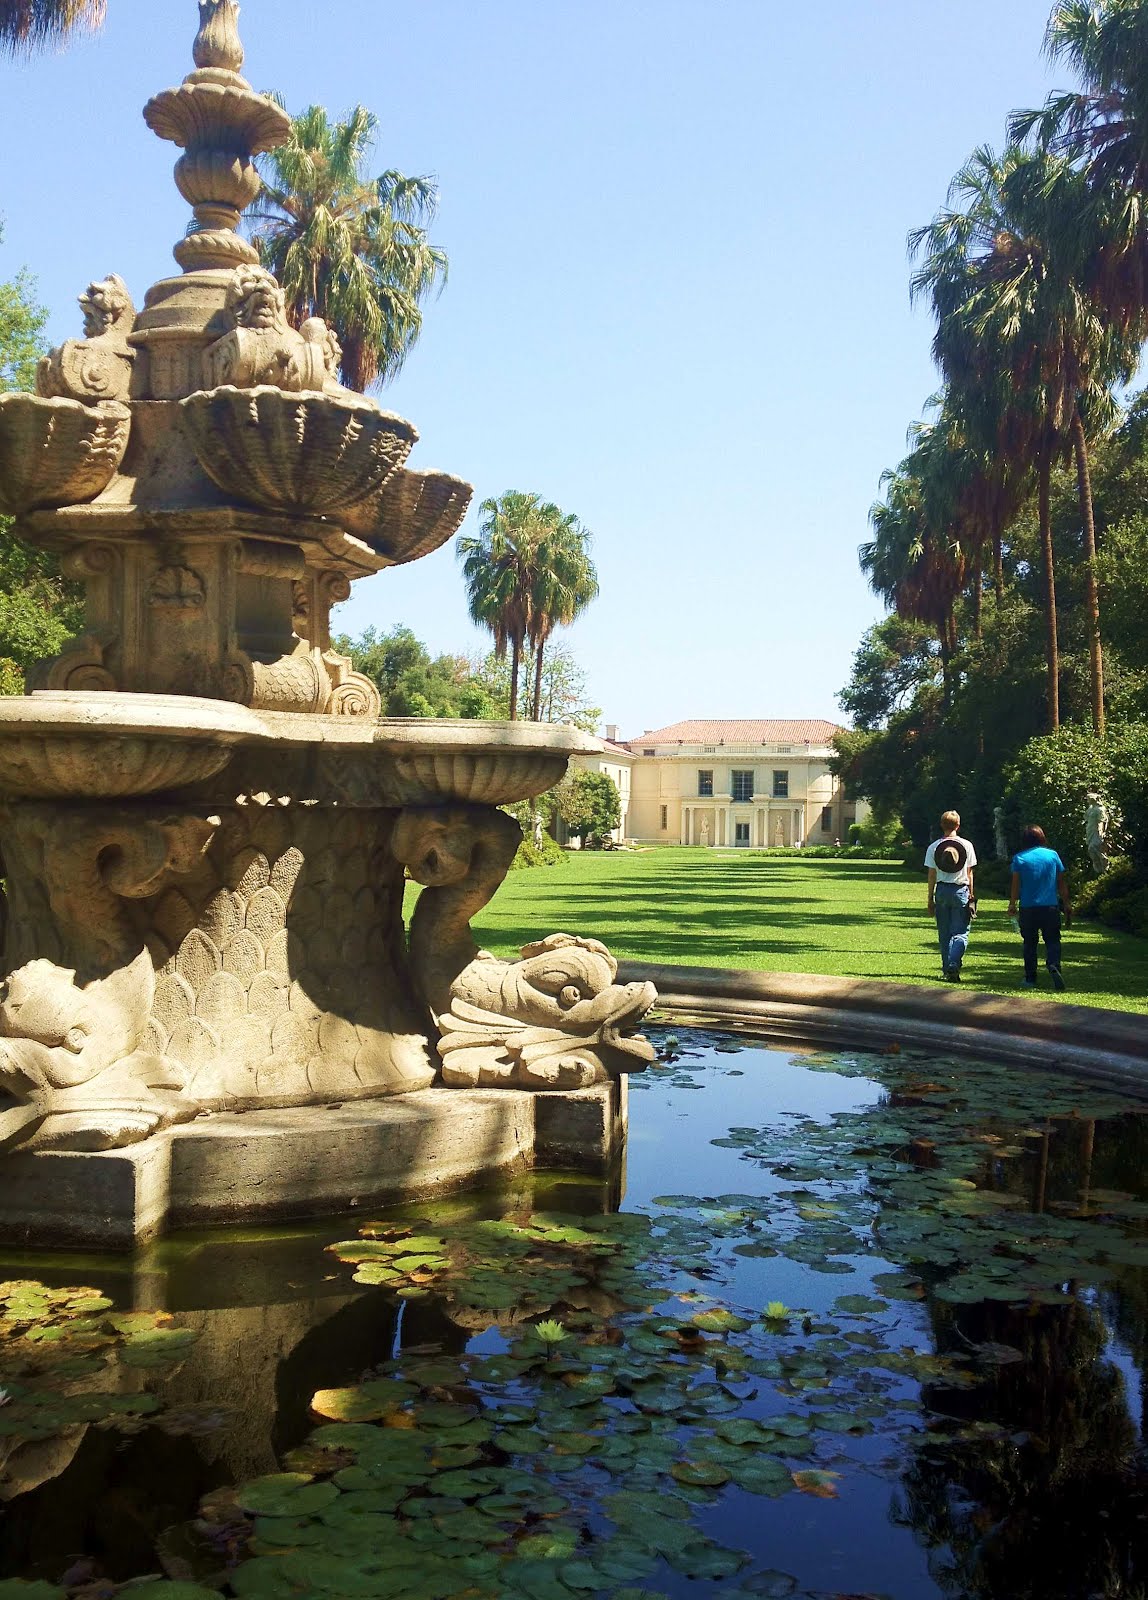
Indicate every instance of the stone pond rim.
{"type": "Point", "coordinates": [873, 1014]}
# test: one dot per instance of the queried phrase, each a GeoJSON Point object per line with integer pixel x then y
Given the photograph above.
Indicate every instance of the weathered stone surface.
{"type": "Point", "coordinates": [306, 1161]}
{"type": "Point", "coordinates": [57, 452]}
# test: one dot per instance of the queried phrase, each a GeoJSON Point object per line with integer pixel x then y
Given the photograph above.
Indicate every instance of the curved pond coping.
{"type": "Point", "coordinates": [803, 1007]}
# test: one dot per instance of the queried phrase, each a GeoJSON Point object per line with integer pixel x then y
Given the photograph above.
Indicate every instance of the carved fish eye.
{"type": "Point", "coordinates": [569, 995]}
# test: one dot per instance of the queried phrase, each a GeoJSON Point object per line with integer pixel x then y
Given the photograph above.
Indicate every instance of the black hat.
{"type": "Point", "coordinates": [950, 855]}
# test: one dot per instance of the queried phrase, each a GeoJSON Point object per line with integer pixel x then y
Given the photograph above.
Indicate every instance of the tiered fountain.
{"type": "Point", "coordinates": [206, 826]}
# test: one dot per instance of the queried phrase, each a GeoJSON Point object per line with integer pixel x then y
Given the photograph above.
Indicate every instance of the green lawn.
{"type": "Point", "coordinates": [852, 919]}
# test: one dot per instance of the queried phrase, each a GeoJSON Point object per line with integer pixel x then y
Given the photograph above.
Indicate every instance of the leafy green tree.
{"type": "Point", "coordinates": [564, 694]}
{"type": "Point", "coordinates": [590, 806]}
{"type": "Point", "coordinates": [411, 682]}
{"type": "Point", "coordinates": [31, 24]}
{"type": "Point", "coordinates": [39, 610]}
{"type": "Point", "coordinates": [347, 247]}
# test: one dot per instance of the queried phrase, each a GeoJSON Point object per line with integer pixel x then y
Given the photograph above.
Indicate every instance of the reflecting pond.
{"type": "Point", "coordinates": [864, 1325]}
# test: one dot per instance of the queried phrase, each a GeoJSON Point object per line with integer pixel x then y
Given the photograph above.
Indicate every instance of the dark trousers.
{"type": "Point", "coordinates": [1034, 921]}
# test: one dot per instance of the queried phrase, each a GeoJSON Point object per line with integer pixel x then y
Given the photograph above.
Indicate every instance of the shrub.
{"type": "Point", "coordinates": [548, 854]}
{"type": "Point", "coordinates": [1128, 791]}
{"type": "Point", "coordinates": [1126, 911]}
{"type": "Point", "coordinates": [1049, 784]}
{"type": "Point", "coordinates": [1120, 879]}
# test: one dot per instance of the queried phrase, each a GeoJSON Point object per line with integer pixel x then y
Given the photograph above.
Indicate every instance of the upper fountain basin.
{"type": "Point", "coordinates": [308, 452]}
{"type": "Point", "coordinates": [57, 452]}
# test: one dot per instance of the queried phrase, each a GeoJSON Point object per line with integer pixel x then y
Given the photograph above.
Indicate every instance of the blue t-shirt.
{"type": "Point", "coordinates": [1037, 869]}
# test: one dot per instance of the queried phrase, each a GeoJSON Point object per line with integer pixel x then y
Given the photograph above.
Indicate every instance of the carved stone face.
{"type": "Point", "coordinates": [47, 1027]}
{"type": "Point", "coordinates": [256, 301]}
{"type": "Point", "coordinates": [104, 305]}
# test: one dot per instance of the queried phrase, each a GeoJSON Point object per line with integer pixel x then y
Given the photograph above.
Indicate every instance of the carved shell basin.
{"type": "Point", "coordinates": [475, 763]}
{"type": "Point", "coordinates": [411, 515]}
{"type": "Point", "coordinates": [307, 452]}
{"type": "Point", "coordinates": [412, 761]}
{"type": "Point", "coordinates": [79, 745]}
{"type": "Point", "coordinates": [57, 452]}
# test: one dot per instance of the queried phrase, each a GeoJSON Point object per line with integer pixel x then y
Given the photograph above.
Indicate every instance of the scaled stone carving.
{"type": "Point", "coordinates": [556, 1019]}
{"type": "Point", "coordinates": [99, 366]}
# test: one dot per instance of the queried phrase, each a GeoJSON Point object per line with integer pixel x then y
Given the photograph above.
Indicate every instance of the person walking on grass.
{"type": "Point", "coordinates": [1038, 896]}
{"type": "Point", "coordinates": [951, 861]}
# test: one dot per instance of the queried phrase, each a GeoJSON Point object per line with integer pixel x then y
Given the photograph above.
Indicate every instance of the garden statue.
{"type": "Point", "coordinates": [205, 825]}
{"type": "Point", "coordinates": [1000, 844]}
{"type": "Point", "coordinates": [704, 835]}
{"type": "Point", "coordinates": [1096, 831]}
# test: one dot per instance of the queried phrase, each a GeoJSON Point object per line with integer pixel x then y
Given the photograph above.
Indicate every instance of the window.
{"type": "Point", "coordinates": [741, 833]}
{"type": "Point", "coordinates": [827, 819]}
{"type": "Point", "coordinates": [709, 749]}
{"type": "Point", "coordinates": [742, 786]}
{"type": "Point", "coordinates": [780, 785]}
{"type": "Point", "coordinates": [665, 818]}
{"type": "Point", "coordinates": [706, 781]}
{"type": "Point", "coordinates": [785, 749]}
{"type": "Point", "coordinates": [648, 752]}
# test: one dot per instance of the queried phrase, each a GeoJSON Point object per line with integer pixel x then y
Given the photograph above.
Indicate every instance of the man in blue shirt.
{"type": "Point", "coordinates": [1038, 892]}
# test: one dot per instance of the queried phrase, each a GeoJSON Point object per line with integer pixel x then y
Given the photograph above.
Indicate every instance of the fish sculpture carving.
{"type": "Point", "coordinates": [556, 1019]}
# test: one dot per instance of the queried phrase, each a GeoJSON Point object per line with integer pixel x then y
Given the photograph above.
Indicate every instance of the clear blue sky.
{"type": "Point", "coordinates": [678, 297]}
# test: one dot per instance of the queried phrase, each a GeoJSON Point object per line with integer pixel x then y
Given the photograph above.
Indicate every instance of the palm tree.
{"type": "Point", "coordinates": [913, 564]}
{"type": "Point", "coordinates": [1104, 125]}
{"type": "Point", "coordinates": [1016, 326]}
{"type": "Point", "coordinates": [566, 582]}
{"type": "Point", "coordinates": [30, 24]}
{"type": "Point", "coordinates": [499, 569]}
{"type": "Point", "coordinates": [346, 247]}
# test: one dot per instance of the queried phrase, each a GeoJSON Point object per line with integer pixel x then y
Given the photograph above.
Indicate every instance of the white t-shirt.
{"type": "Point", "coordinates": [962, 876]}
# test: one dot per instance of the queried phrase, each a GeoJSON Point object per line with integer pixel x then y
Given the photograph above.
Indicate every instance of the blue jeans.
{"type": "Point", "coordinates": [951, 903]}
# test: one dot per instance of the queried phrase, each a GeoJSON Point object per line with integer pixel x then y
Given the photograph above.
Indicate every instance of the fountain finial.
{"type": "Point", "coordinates": [217, 44]}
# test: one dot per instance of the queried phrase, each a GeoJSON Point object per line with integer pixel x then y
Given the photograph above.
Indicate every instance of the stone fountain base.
{"type": "Point", "coordinates": [306, 1161]}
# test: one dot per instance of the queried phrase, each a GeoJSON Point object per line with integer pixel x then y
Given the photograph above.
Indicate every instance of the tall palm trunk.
{"type": "Point", "coordinates": [1044, 475]}
{"type": "Point", "coordinates": [515, 667]}
{"type": "Point", "coordinates": [1091, 597]}
{"type": "Point", "coordinates": [998, 565]}
{"type": "Point", "coordinates": [536, 709]}
{"type": "Point", "coordinates": [978, 587]}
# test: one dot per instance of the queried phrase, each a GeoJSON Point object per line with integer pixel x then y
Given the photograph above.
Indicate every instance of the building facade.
{"type": "Point", "coordinates": [729, 783]}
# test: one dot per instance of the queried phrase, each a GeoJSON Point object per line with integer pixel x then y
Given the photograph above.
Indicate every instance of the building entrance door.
{"type": "Point", "coordinates": [741, 833]}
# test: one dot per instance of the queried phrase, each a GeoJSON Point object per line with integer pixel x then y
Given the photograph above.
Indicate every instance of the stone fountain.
{"type": "Point", "coordinates": [213, 1008]}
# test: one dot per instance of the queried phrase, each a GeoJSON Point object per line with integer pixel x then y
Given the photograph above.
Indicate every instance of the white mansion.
{"type": "Point", "coordinates": [727, 783]}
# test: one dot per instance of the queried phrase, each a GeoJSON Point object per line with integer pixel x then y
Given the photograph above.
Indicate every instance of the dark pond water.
{"type": "Point", "coordinates": [864, 1326]}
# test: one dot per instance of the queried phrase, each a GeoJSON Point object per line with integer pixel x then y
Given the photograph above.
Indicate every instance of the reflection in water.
{"type": "Point", "coordinates": [939, 1408]}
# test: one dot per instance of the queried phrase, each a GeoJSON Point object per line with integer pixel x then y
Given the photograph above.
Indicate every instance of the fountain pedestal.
{"type": "Point", "coordinates": [213, 1007]}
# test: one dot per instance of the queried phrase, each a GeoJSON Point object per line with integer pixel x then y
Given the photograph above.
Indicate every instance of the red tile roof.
{"type": "Point", "coordinates": [769, 730]}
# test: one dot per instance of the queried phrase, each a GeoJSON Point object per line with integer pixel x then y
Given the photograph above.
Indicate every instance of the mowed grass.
{"type": "Point", "coordinates": [850, 919]}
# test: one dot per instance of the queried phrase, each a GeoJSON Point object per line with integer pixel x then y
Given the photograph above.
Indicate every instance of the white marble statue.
{"type": "Point", "coordinates": [1096, 831]}
{"type": "Point", "coordinates": [1000, 844]}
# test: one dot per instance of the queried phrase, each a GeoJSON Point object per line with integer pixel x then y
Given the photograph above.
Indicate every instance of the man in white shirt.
{"type": "Point", "coordinates": [951, 861]}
